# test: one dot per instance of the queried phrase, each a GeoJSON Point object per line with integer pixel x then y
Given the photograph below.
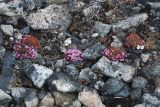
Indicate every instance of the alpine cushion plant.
{"type": "Point", "coordinates": [115, 54]}
{"type": "Point", "coordinates": [73, 55]}
{"type": "Point", "coordinates": [134, 41]}
{"type": "Point", "coordinates": [27, 47]}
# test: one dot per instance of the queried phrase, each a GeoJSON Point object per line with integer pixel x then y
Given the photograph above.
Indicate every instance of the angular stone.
{"type": "Point", "coordinates": [38, 74]}
{"type": "Point", "coordinates": [90, 98]}
{"type": "Point", "coordinates": [54, 17]}
{"type": "Point", "coordinates": [4, 97]}
{"type": "Point", "coordinates": [94, 51]}
{"type": "Point", "coordinates": [7, 29]}
{"type": "Point", "coordinates": [63, 83]}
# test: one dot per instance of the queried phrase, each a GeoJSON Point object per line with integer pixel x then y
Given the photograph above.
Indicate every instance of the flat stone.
{"type": "Point", "coordinates": [63, 83]}
{"type": "Point", "coordinates": [139, 82]}
{"type": "Point", "coordinates": [54, 17]}
{"type": "Point", "coordinates": [151, 99]}
{"type": "Point", "coordinates": [90, 98]}
{"type": "Point", "coordinates": [4, 97]}
{"type": "Point", "coordinates": [38, 74]}
{"type": "Point", "coordinates": [47, 101]}
{"type": "Point", "coordinates": [112, 86]}
{"type": "Point", "coordinates": [7, 29]}
{"type": "Point", "coordinates": [101, 28]}
{"type": "Point", "coordinates": [93, 51]}
{"type": "Point", "coordinates": [12, 8]}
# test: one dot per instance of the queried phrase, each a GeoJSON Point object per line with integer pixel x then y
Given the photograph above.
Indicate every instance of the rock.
{"type": "Point", "coordinates": [139, 82]}
{"type": "Point", "coordinates": [152, 70]}
{"type": "Point", "coordinates": [90, 98]}
{"type": "Point", "coordinates": [87, 74]}
{"type": "Point", "coordinates": [91, 11]}
{"type": "Point", "coordinates": [72, 71]}
{"type": "Point", "coordinates": [2, 52]}
{"type": "Point", "coordinates": [154, 5]}
{"type": "Point", "coordinates": [31, 99]}
{"type": "Point", "coordinates": [130, 22]}
{"type": "Point", "coordinates": [54, 17]}
{"type": "Point", "coordinates": [64, 99]}
{"type": "Point", "coordinates": [56, 1]}
{"type": "Point", "coordinates": [7, 29]}
{"type": "Point", "coordinates": [38, 74]}
{"type": "Point", "coordinates": [98, 84]}
{"type": "Point", "coordinates": [94, 51]}
{"type": "Point", "coordinates": [144, 57]}
{"type": "Point", "coordinates": [124, 92]}
{"type": "Point", "coordinates": [60, 63]}
{"type": "Point", "coordinates": [32, 4]}
{"type": "Point", "coordinates": [76, 5]}
{"type": "Point", "coordinates": [1, 38]}
{"type": "Point", "coordinates": [5, 83]}
{"type": "Point", "coordinates": [67, 42]}
{"type": "Point", "coordinates": [4, 98]}
{"type": "Point", "coordinates": [95, 35]}
{"type": "Point", "coordinates": [9, 61]}
{"type": "Point", "coordinates": [151, 99]}
{"type": "Point", "coordinates": [136, 94]}
{"type": "Point", "coordinates": [116, 42]}
{"type": "Point", "coordinates": [18, 94]}
{"type": "Point", "coordinates": [12, 8]}
{"type": "Point", "coordinates": [113, 69]}
{"type": "Point", "coordinates": [39, 60]}
{"type": "Point", "coordinates": [25, 30]}
{"type": "Point", "coordinates": [47, 101]}
{"type": "Point", "coordinates": [101, 28]}
{"type": "Point", "coordinates": [14, 20]}
{"type": "Point", "coordinates": [113, 85]}
{"type": "Point", "coordinates": [63, 83]}
{"type": "Point", "coordinates": [76, 103]}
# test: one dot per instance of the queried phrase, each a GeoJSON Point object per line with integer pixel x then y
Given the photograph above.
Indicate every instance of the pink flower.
{"type": "Point", "coordinates": [25, 50]}
{"type": "Point", "coordinates": [73, 55]}
{"type": "Point", "coordinates": [115, 54]}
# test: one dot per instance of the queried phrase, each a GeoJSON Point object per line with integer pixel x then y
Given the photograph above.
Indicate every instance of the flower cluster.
{"type": "Point", "coordinates": [134, 41]}
{"type": "Point", "coordinates": [27, 47]}
{"type": "Point", "coordinates": [74, 55]}
{"type": "Point", "coordinates": [115, 54]}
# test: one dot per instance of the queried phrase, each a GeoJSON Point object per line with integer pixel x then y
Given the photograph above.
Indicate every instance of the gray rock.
{"type": "Point", "coordinates": [130, 22]}
{"type": "Point", "coordinates": [154, 5]}
{"type": "Point", "coordinates": [139, 82]}
{"type": "Point", "coordinates": [124, 92]}
{"type": "Point", "coordinates": [25, 30]}
{"type": "Point", "coordinates": [64, 99]}
{"type": "Point", "coordinates": [2, 51]}
{"type": "Point", "coordinates": [31, 99]}
{"type": "Point", "coordinates": [87, 74]}
{"type": "Point", "coordinates": [56, 1]}
{"type": "Point", "coordinates": [9, 61]}
{"type": "Point", "coordinates": [151, 99]}
{"type": "Point", "coordinates": [94, 51]}
{"type": "Point", "coordinates": [152, 70]}
{"type": "Point", "coordinates": [116, 42]}
{"type": "Point", "coordinates": [144, 57]}
{"type": "Point", "coordinates": [14, 20]}
{"type": "Point", "coordinates": [142, 105]}
{"type": "Point", "coordinates": [91, 11]}
{"type": "Point", "coordinates": [12, 8]}
{"type": "Point", "coordinates": [113, 85]}
{"type": "Point", "coordinates": [76, 103]}
{"type": "Point", "coordinates": [60, 63]}
{"type": "Point", "coordinates": [47, 101]}
{"type": "Point", "coordinates": [38, 74]}
{"type": "Point", "coordinates": [7, 29]}
{"type": "Point", "coordinates": [76, 5]}
{"type": "Point", "coordinates": [1, 38]}
{"type": "Point", "coordinates": [136, 94]}
{"type": "Point", "coordinates": [72, 71]}
{"type": "Point", "coordinates": [63, 83]}
{"type": "Point", "coordinates": [4, 97]}
{"type": "Point", "coordinates": [113, 69]}
{"type": "Point", "coordinates": [98, 84]}
{"type": "Point", "coordinates": [31, 4]}
{"type": "Point", "coordinates": [90, 98]}
{"type": "Point", "coordinates": [18, 94]}
{"type": "Point", "coordinates": [5, 83]}
{"type": "Point", "coordinates": [101, 28]}
{"type": "Point", "coordinates": [54, 17]}
{"type": "Point", "coordinates": [39, 60]}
